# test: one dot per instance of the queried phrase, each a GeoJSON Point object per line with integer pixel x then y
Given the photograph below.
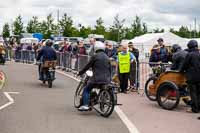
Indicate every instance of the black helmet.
{"type": "Point", "coordinates": [192, 44]}
{"type": "Point", "coordinates": [175, 48]}
{"type": "Point", "coordinates": [49, 43]}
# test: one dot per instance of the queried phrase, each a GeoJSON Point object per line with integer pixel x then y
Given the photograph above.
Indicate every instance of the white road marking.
{"type": "Point", "coordinates": [70, 76]}
{"type": "Point", "coordinates": [11, 100]}
{"type": "Point", "coordinates": [131, 127]}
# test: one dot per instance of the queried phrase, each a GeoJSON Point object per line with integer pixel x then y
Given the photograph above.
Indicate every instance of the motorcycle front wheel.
{"type": "Point", "coordinates": [78, 95]}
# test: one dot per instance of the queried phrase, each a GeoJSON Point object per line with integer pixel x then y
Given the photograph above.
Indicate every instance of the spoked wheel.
{"type": "Point", "coordinates": [50, 83]}
{"type": "Point", "coordinates": [150, 83]}
{"type": "Point", "coordinates": [106, 103]}
{"type": "Point", "coordinates": [78, 95]}
{"type": "Point", "coordinates": [168, 96]}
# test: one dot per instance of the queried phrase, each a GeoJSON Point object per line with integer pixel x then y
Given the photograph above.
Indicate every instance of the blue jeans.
{"type": "Point", "coordinates": [86, 93]}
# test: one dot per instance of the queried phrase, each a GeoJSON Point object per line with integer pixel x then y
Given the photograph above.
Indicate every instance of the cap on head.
{"type": "Point", "coordinates": [160, 40]}
{"type": "Point", "coordinates": [130, 44]}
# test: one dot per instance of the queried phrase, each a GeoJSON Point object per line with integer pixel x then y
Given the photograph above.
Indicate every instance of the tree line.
{"type": "Point", "coordinates": [65, 26]}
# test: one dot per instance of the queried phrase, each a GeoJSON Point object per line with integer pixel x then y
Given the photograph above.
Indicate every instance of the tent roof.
{"type": "Point", "coordinates": [151, 39]}
{"type": "Point", "coordinates": [147, 37]}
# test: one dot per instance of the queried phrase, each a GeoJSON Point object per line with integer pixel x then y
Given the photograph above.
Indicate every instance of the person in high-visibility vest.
{"type": "Point", "coordinates": [124, 60]}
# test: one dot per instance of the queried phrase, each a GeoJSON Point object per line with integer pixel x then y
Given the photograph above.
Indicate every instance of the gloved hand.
{"type": "Point", "coordinates": [79, 74]}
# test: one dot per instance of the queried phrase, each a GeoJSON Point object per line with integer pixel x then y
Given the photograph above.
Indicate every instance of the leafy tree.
{"type": "Point", "coordinates": [99, 27]}
{"type": "Point", "coordinates": [33, 25]}
{"type": "Point", "coordinates": [85, 31]}
{"type": "Point", "coordinates": [157, 30]}
{"type": "Point", "coordinates": [183, 32]}
{"type": "Point", "coordinates": [48, 28]}
{"type": "Point", "coordinates": [66, 24]}
{"type": "Point", "coordinates": [6, 30]}
{"type": "Point", "coordinates": [116, 30]}
{"type": "Point", "coordinates": [43, 28]}
{"type": "Point", "coordinates": [18, 26]}
{"type": "Point", "coordinates": [137, 28]}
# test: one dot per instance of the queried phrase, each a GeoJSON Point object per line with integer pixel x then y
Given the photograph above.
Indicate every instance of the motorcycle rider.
{"type": "Point", "coordinates": [178, 57]}
{"type": "Point", "coordinates": [46, 53]}
{"type": "Point", "coordinates": [101, 68]}
{"type": "Point", "coordinates": [191, 66]}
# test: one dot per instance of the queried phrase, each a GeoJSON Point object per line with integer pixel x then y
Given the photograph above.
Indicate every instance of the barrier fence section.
{"type": "Point", "coordinates": [70, 62]}
{"type": "Point", "coordinates": [144, 73]}
{"type": "Point", "coordinates": [147, 69]}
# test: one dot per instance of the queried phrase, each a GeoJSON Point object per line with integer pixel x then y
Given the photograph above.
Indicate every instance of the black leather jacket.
{"type": "Point", "coordinates": [192, 66]}
{"type": "Point", "coordinates": [101, 68]}
{"type": "Point", "coordinates": [178, 59]}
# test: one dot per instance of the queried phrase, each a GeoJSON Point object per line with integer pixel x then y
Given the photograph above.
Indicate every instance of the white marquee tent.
{"type": "Point", "coordinates": [145, 42]}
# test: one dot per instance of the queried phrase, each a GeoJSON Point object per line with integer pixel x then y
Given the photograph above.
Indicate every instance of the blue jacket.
{"type": "Point", "coordinates": [164, 55]}
{"type": "Point", "coordinates": [47, 53]}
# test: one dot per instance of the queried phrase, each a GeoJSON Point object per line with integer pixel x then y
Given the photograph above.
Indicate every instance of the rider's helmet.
{"type": "Point", "coordinates": [49, 42]}
{"type": "Point", "coordinates": [192, 44]}
{"type": "Point", "coordinates": [175, 48]}
{"type": "Point", "coordinates": [99, 46]}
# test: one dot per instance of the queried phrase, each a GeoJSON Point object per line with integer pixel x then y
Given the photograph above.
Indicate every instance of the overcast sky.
{"type": "Point", "coordinates": [156, 13]}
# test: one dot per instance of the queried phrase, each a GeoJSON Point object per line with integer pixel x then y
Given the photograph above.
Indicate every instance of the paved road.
{"type": "Point", "coordinates": [39, 109]}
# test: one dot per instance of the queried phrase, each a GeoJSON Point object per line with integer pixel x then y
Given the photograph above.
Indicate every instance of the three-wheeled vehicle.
{"type": "Point", "coordinates": [168, 88]}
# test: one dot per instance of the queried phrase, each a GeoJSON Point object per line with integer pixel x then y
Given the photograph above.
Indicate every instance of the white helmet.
{"type": "Point", "coordinates": [99, 46]}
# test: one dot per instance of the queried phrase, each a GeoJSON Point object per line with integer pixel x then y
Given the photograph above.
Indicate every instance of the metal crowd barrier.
{"type": "Point", "coordinates": [25, 56]}
{"type": "Point", "coordinates": [74, 63]}
{"type": "Point", "coordinates": [146, 70]}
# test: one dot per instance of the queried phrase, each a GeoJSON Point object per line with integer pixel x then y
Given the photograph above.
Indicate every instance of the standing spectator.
{"type": "Point", "coordinates": [18, 52]}
{"type": "Point", "coordinates": [91, 49]}
{"type": "Point", "coordinates": [163, 51]}
{"type": "Point", "coordinates": [81, 48]}
{"type": "Point", "coordinates": [155, 55]}
{"type": "Point", "coordinates": [24, 53]}
{"type": "Point", "coordinates": [66, 54]}
{"type": "Point", "coordinates": [56, 46]}
{"type": "Point", "coordinates": [110, 50]}
{"type": "Point", "coordinates": [111, 53]}
{"type": "Point", "coordinates": [74, 56]}
{"type": "Point", "coordinates": [124, 60]}
{"type": "Point", "coordinates": [134, 73]}
{"type": "Point", "coordinates": [35, 48]}
{"type": "Point", "coordinates": [29, 53]}
{"type": "Point", "coordinates": [2, 53]}
{"type": "Point", "coordinates": [191, 66]}
{"type": "Point", "coordinates": [82, 55]}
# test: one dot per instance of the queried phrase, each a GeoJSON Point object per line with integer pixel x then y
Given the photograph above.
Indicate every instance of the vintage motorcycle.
{"type": "Point", "coordinates": [103, 98]}
{"type": "Point", "coordinates": [48, 71]}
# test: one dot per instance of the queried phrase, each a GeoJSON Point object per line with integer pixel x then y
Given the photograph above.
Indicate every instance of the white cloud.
{"type": "Point", "coordinates": [162, 14]}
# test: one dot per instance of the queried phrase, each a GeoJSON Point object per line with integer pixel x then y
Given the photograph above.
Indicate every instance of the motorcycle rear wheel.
{"type": "Point", "coordinates": [106, 102]}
